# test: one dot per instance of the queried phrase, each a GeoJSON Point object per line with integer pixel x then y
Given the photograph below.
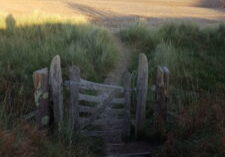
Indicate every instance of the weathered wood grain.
{"type": "Point", "coordinates": [55, 80]}
{"type": "Point", "coordinates": [127, 95]}
{"type": "Point", "coordinates": [162, 96]}
{"type": "Point", "coordinates": [41, 95]}
{"type": "Point", "coordinates": [74, 75]}
{"type": "Point", "coordinates": [142, 89]}
{"type": "Point", "coordinates": [101, 108]}
{"type": "Point", "coordinates": [98, 99]}
{"type": "Point", "coordinates": [99, 87]}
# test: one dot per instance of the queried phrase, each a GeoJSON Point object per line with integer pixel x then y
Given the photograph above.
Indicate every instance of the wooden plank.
{"type": "Point", "coordinates": [99, 87]}
{"type": "Point", "coordinates": [166, 81]}
{"type": "Point", "coordinates": [93, 110]}
{"type": "Point", "coordinates": [41, 85]}
{"type": "Point", "coordinates": [159, 87]}
{"type": "Point", "coordinates": [102, 133]}
{"type": "Point", "coordinates": [55, 80]}
{"type": "Point", "coordinates": [142, 89]}
{"type": "Point", "coordinates": [86, 109]}
{"type": "Point", "coordinates": [74, 75]}
{"type": "Point", "coordinates": [162, 96]}
{"type": "Point", "coordinates": [127, 87]}
{"type": "Point", "coordinates": [98, 99]}
{"type": "Point", "coordinates": [109, 122]}
{"type": "Point", "coordinates": [102, 106]}
{"type": "Point", "coordinates": [166, 91]}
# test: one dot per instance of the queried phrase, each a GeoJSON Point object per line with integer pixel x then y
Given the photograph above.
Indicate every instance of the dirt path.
{"type": "Point", "coordinates": [115, 76]}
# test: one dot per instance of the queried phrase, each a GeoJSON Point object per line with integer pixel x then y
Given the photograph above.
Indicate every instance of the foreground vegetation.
{"type": "Point", "coordinates": [196, 59]}
{"type": "Point", "coordinates": [29, 44]}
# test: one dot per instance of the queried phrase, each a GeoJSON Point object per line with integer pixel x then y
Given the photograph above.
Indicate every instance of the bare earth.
{"type": "Point", "coordinates": [120, 13]}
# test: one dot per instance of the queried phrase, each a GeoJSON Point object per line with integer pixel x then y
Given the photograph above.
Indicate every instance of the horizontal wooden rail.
{"type": "Point", "coordinates": [88, 109]}
{"type": "Point", "coordinates": [98, 99]}
{"type": "Point", "coordinates": [88, 85]}
{"type": "Point", "coordinates": [93, 109]}
{"type": "Point", "coordinates": [102, 133]}
{"type": "Point", "coordinates": [103, 122]}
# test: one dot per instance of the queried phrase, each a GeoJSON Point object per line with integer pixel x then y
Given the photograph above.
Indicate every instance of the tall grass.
{"type": "Point", "coordinates": [28, 44]}
{"type": "Point", "coordinates": [196, 59]}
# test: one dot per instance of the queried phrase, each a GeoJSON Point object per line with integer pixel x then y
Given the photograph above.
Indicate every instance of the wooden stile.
{"type": "Point", "coordinates": [142, 89]}
{"type": "Point", "coordinates": [55, 81]}
{"type": "Point", "coordinates": [74, 75]}
{"type": "Point", "coordinates": [41, 85]}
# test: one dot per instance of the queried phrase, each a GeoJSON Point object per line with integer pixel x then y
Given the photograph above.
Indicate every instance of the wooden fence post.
{"type": "Point", "coordinates": [162, 94]}
{"type": "Point", "coordinates": [74, 75]}
{"type": "Point", "coordinates": [56, 89]}
{"type": "Point", "coordinates": [41, 85]}
{"type": "Point", "coordinates": [127, 87]}
{"type": "Point", "coordinates": [142, 89]}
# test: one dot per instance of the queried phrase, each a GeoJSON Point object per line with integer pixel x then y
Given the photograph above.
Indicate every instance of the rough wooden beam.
{"type": "Point", "coordinates": [55, 80]}
{"type": "Point", "coordinates": [162, 96]}
{"type": "Point", "coordinates": [41, 86]}
{"type": "Point", "coordinates": [100, 87]}
{"type": "Point", "coordinates": [127, 95]}
{"type": "Point", "coordinates": [98, 99]}
{"type": "Point", "coordinates": [74, 75]}
{"type": "Point", "coordinates": [142, 89]}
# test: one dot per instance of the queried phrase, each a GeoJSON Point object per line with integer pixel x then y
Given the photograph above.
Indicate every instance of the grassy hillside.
{"type": "Point", "coordinates": [196, 59]}
{"type": "Point", "coordinates": [31, 46]}
{"type": "Point", "coordinates": [28, 44]}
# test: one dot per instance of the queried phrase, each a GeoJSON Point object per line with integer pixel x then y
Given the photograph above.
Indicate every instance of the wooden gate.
{"type": "Point", "coordinates": [99, 109]}
{"type": "Point", "coordinates": [94, 109]}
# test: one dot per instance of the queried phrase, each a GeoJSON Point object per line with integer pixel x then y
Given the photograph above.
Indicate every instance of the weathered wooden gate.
{"type": "Point", "coordinates": [94, 109]}
{"type": "Point", "coordinates": [99, 109]}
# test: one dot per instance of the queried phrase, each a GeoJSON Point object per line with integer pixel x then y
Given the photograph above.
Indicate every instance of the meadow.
{"type": "Point", "coordinates": [28, 44]}
{"type": "Point", "coordinates": [195, 57]}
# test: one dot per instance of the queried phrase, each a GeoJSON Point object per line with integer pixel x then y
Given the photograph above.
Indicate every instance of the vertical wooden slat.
{"type": "Point", "coordinates": [127, 96]}
{"type": "Point", "coordinates": [162, 95]}
{"type": "Point", "coordinates": [166, 90]}
{"type": "Point", "coordinates": [159, 92]}
{"type": "Point", "coordinates": [74, 75]}
{"type": "Point", "coordinates": [41, 85]}
{"type": "Point", "coordinates": [142, 86]}
{"type": "Point", "coordinates": [56, 89]}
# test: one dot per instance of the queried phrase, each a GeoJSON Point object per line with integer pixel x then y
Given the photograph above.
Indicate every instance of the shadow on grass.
{"type": "Point", "coordinates": [212, 4]}
{"type": "Point", "coordinates": [24, 49]}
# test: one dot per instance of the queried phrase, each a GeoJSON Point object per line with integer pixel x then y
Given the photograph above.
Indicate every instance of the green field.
{"type": "Point", "coordinates": [29, 44]}
{"type": "Point", "coordinates": [195, 57]}
{"type": "Point", "coordinates": [196, 60]}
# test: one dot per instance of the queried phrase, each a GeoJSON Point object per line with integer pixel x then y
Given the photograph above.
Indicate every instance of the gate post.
{"type": "Point", "coordinates": [162, 96]}
{"type": "Point", "coordinates": [127, 87]}
{"type": "Point", "coordinates": [41, 95]}
{"type": "Point", "coordinates": [142, 89]}
{"type": "Point", "coordinates": [74, 75]}
{"type": "Point", "coordinates": [56, 89]}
